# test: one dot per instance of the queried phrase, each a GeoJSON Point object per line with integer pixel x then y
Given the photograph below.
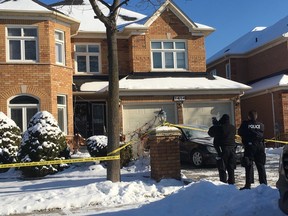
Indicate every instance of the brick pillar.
{"type": "Point", "coordinates": [165, 153]}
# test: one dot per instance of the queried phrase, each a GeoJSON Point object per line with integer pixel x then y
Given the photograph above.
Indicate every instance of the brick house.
{"type": "Point", "coordinates": [259, 59]}
{"type": "Point", "coordinates": [161, 66]}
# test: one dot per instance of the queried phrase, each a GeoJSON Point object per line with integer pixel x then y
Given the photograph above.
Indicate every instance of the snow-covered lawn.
{"type": "Point", "coordinates": [83, 189]}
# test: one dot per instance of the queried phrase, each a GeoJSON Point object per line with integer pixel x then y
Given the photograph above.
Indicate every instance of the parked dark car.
{"type": "Point", "coordinates": [196, 146]}
{"type": "Point", "coordinates": [282, 183]}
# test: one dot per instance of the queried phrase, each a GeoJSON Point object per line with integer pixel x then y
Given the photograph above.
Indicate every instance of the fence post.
{"type": "Point", "coordinates": [165, 153]}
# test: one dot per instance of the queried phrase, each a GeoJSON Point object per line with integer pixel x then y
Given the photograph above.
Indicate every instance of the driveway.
{"type": "Point", "coordinates": [211, 173]}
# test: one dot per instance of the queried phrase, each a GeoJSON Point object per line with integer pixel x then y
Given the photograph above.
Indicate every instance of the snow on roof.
{"type": "Point", "coordinates": [269, 83]}
{"type": "Point", "coordinates": [168, 83]}
{"type": "Point", "coordinates": [22, 5]}
{"type": "Point", "coordinates": [85, 14]}
{"type": "Point", "coordinates": [99, 86]}
{"type": "Point", "coordinates": [259, 36]}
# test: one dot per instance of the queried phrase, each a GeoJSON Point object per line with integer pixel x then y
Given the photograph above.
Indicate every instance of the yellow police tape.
{"type": "Point", "coordinates": [76, 160]}
{"type": "Point", "coordinates": [237, 136]}
{"type": "Point", "coordinates": [109, 157]}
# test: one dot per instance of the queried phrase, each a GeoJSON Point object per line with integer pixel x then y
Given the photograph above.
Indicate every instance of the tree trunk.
{"type": "Point", "coordinates": [113, 168]}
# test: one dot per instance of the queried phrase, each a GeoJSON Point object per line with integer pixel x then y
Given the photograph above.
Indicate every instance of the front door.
{"type": "Point", "coordinates": [90, 118]}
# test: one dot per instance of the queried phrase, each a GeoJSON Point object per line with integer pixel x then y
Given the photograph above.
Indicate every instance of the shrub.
{"type": "Point", "coordinates": [42, 141]}
{"type": "Point", "coordinates": [97, 147]}
{"type": "Point", "coordinates": [10, 138]}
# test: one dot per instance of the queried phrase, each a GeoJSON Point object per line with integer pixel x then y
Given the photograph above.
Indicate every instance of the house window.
{"type": "Point", "coordinates": [22, 44]}
{"type": "Point", "coordinates": [169, 55]}
{"type": "Point", "coordinates": [228, 71]}
{"type": "Point", "coordinates": [87, 58]}
{"type": "Point", "coordinates": [62, 112]}
{"type": "Point", "coordinates": [22, 109]}
{"type": "Point", "coordinates": [59, 47]}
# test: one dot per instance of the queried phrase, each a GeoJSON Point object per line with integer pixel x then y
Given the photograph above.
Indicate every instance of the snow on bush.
{"type": "Point", "coordinates": [10, 138]}
{"type": "Point", "coordinates": [97, 147]}
{"type": "Point", "coordinates": [42, 141]}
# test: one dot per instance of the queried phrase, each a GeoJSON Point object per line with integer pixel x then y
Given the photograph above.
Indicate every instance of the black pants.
{"type": "Point", "coordinates": [228, 156]}
{"type": "Point", "coordinates": [256, 154]}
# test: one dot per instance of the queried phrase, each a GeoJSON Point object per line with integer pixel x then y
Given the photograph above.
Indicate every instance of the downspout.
{"type": "Point", "coordinates": [273, 113]}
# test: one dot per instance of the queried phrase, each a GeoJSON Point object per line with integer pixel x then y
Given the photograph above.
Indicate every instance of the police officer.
{"type": "Point", "coordinates": [224, 142]}
{"type": "Point", "coordinates": [252, 134]}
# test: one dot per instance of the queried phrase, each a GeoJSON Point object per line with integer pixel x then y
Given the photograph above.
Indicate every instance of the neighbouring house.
{"type": "Point", "coordinates": [54, 58]}
{"type": "Point", "coordinates": [259, 59]}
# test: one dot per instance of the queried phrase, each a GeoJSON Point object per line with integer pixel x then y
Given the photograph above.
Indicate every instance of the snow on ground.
{"type": "Point", "coordinates": [83, 189]}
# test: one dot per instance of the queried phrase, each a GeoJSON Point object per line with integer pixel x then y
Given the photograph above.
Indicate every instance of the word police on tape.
{"type": "Point", "coordinates": [76, 160]}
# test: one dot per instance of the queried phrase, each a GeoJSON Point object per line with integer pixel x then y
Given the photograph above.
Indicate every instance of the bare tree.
{"type": "Point", "coordinates": [109, 20]}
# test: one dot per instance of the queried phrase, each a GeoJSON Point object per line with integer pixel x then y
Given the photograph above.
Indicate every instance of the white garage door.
{"type": "Point", "coordinates": [202, 113]}
{"type": "Point", "coordinates": [141, 116]}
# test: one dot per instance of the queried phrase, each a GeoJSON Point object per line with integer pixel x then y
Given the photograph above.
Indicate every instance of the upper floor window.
{"type": "Point", "coordinates": [87, 58]}
{"type": "Point", "coordinates": [228, 71]}
{"type": "Point", "coordinates": [169, 55]}
{"type": "Point", "coordinates": [59, 47]}
{"type": "Point", "coordinates": [22, 43]}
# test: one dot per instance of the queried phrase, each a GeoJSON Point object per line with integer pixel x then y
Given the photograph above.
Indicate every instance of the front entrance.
{"type": "Point", "coordinates": [90, 118]}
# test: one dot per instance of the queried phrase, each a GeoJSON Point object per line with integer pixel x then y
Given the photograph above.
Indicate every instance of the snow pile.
{"type": "Point", "coordinates": [82, 189]}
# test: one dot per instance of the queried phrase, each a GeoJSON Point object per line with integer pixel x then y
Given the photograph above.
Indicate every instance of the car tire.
{"type": "Point", "coordinates": [196, 158]}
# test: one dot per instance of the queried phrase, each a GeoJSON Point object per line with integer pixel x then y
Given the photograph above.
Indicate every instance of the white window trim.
{"type": "Point", "coordinates": [175, 59]}
{"type": "Point", "coordinates": [228, 71]}
{"type": "Point", "coordinates": [87, 60]}
{"type": "Point", "coordinates": [64, 107]}
{"type": "Point", "coordinates": [24, 109]}
{"type": "Point", "coordinates": [22, 39]}
{"type": "Point", "coordinates": [62, 43]}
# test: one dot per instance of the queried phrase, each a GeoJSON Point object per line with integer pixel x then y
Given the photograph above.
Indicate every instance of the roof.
{"type": "Point", "coordinates": [195, 28]}
{"type": "Point", "coordinates": [165, 85]}
{"type": "Point", "coordinates": [23, 6]}
{"type": "Point", "coordinates": [36, 9]}
{"type": "Point", "coordinates": [268, 84]}
{"type": "Point", "coordinates": [127, 19]}
{"type": "Point", "coordinates": [82, 10]}
{"type": "Point", "coordinates": [254, 39]}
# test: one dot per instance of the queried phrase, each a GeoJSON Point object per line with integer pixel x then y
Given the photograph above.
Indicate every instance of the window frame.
{"type": "Point", "coordinates": [87, 54]}
{"type": "Point", "coordinates": [65, 113]}
{"type": "Point", "coordinates": [228, 71]}
{"type": "Point", "coordinates": [23, 107]}
{"type": "Point", "coordinates": [22, 38]}
{"type": "Point", "coordinates": [62, 45]}
{"type": "Point", "coordinates": [164, 51]}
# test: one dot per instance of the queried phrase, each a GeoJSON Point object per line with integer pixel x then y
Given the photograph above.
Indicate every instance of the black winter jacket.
{"type": "Point", "coordinates": [251, 132]}
{"type": "Point", "coordinates": [224, 134]}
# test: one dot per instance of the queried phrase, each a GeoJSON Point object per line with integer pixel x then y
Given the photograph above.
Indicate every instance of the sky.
{"type": "Point", "coordinates": [82, 189]}
{"type": "Point", "coordinates": [231, 19]}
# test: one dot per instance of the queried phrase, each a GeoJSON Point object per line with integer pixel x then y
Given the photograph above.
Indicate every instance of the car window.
{"type": "Point", "coordinates": [195, 132]}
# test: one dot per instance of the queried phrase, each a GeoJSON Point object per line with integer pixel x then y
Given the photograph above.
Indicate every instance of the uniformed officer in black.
{"type": "Point", "coordinates": [224, 142]}
{"type": "Point", "coordinates": [252, 134]}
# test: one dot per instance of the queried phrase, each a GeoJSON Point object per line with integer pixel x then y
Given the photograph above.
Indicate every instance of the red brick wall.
{"type": "Point", "coordinates": [167, 26]}
{"type": "Point", "coordinates": [44, 79]}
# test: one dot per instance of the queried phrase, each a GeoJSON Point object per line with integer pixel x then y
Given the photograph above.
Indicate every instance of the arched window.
{"type": "Point", "coordinates": [22, 109]}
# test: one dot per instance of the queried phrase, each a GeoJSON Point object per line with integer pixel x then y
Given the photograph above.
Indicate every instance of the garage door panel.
{"type": "Point", "coordinates": [201, 113]}
{"type": "Point", "coordinates": [137, 116]}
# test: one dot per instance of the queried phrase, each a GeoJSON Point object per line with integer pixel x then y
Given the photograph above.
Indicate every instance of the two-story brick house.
{"type": "Point", "coordinates": [259, 59]}
{"type": "Point", "coordinates": [161, 66]}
